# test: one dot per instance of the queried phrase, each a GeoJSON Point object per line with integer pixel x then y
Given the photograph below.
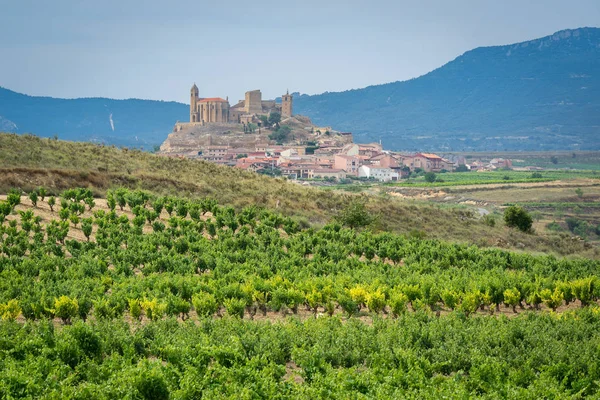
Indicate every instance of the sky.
{"type": "Point", "coordinates": [156, 49]}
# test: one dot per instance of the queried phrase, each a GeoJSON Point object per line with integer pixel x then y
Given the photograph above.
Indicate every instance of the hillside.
{"type": "Point", "coordinates": [537, 95]}
{"type": "Point", "coordinates": [191, 138]}
{"type": "Point", "coordinates": [129, 122]}
{"type": "Point", "coordinates": [28, 162]}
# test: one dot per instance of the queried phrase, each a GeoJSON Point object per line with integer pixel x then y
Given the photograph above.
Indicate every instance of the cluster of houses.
{"type": "Point", "coordinates": [327, 162]}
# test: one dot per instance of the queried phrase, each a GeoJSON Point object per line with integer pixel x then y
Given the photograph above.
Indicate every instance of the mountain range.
{"type": "Point", "coordinates": [542, 94]}
{"type": "Point", "coordinates": [131, 122]}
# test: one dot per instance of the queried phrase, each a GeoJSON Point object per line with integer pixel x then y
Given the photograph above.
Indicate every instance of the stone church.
{"type": "Point", "coordinates": [216, 109]}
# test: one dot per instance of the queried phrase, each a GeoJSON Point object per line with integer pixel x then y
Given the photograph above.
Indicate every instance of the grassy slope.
{"type": "Point", "coordinates": [28, 162]}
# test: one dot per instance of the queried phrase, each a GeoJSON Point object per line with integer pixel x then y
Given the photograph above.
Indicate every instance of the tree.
{"type": "Point", "coordinates": [579, 192]}
{"type": "Point", "coordinates": [430, 177]}
{"type": "Point", "coordinates": [264, 120]}
{"type": "Point", "coordinates": [517, 217]}
{"type": "Point", "coordinates": [42, 192]}
{"type": "Point", "coordinates": [554, 160]}
{"type": "Point", "coordinates": [281, 134]}
{"type": "Point", "coordinates": [274, 118]}
{"type": "Point", "coordinates": [252, 127]}
{"type": "Point", "coordinates": [355, 215]}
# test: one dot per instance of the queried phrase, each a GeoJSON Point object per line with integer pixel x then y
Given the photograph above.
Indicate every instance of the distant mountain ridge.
{"type": "Point", "coordinates": [131, 122]}
{"type": "Point", "coordinates": [541, 94]}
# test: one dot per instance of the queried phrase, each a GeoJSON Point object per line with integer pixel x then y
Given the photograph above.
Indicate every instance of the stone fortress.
{"type": "Point", "coordinates": [214, 123]}
{"type": "Point", "coordinates": [217, 110]}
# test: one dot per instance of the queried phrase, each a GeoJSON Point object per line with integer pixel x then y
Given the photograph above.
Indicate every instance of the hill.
{"type": "Point", "coordinates": [129, 122]}
{"type": "Point", "coordinates": [28, 162]}
{"type": "Point", "coordinates": [542, 94]}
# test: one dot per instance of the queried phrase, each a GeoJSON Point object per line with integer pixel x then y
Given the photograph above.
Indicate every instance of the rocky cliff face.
{"type": "Point", "coordinates": [192, 138]}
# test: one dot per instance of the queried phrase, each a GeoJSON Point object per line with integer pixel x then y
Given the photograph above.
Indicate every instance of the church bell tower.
{"type": "Point", "coordinates": [286, 104]}
{"type": "Point", "coordinates": [194, 117]}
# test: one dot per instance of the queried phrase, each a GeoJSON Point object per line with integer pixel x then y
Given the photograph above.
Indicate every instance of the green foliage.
{"type": "Point", "coordinates": [33, 196]}
{"type": "Point", "coordinates": [376, 301]}
{"type": "Point", "coordinates": [10, 311]}
{"type": "Point", "coordinates": [51, 203]}
{"type": "Point", "coordinates": [450, 298]}
{"type": "Point", "coordinates": [281, 134]}
{"type": "Point", "coordinates": [489, 220]}
{"type": "Point", "coordinates": [512, 297]}
{"type": "Point", "coordinates": [517, 217]}
{"type": "Point", "coordinates": [470, 303]}
{"type": "Point", "coordinates": [355, 215]}
{"type": "Point", "coordinates": [274, 118]}
{"type": "Point", "coordinates": [552, 299]}
{"type": "Point", "coordinates": [151, 384]}
{"type": "Point", "coordinates": [235, 307]}
{"type": "Point", "coordinates": [430, 177]}
{"type": "Point", "coordinates": [65, 308]}
{"type": "Point", "coordinates": [14, 197]}
{"type": "Point", "coordinates": [398, 303]}
{"type": "Point", "coordinates": [579, 192]}
{"type": "Point", "coordinates": [205, 304]}
{"type": "Point", "coordinates": [135, 309]}
{"type": "Point", "coordinates": [262, 261]}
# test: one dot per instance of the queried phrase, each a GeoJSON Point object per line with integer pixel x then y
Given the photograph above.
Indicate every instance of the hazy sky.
{"type": "Point", "coordinates": [156, 49]}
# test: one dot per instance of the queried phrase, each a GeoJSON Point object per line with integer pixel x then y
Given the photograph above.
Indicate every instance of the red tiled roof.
{"type": "Point", "coordinates": [213, 99]}
{"type": "Point", "coordinates": [430, 156]}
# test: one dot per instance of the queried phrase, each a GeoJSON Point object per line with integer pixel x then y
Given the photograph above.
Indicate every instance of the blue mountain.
{"type": "Point", "coordinates": [542, 94]}
{"type": "Point", "coordinates": [132, 122]}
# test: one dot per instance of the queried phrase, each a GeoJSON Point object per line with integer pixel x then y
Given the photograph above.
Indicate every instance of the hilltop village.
{"type": "Point", "coordinates": [266, 137]}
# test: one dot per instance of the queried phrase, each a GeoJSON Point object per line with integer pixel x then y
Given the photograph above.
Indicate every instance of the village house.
{"type": "Point", "coordinates": [383, 160]}
{"type": "Point", "coordinates": [338, 174]}
{"type": "Point", "coordinates": [381, 174]}
{"type": "Point", "coordinates": [497, 163]}
{"type": "Point", "coordinates": [370, 150]}
{"type": "Point", "coordinates": [215, 154]}
{"type": "Point", "coordinates": [350, 164]}
{"type": "Point", "coordinates": [427, 162]}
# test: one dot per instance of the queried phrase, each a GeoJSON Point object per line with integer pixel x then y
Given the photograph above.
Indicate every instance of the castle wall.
{"type": "Point", "coordinates": [253, 102]}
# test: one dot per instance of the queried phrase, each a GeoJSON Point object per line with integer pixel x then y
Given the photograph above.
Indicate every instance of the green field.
{"type": "Point", "coordinates": [496, 177]}
{"type": "Point", "coordinates": [163, 297]}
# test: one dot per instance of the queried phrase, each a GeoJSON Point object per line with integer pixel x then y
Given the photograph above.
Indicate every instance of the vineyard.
{"type": "Point", "coordinates": [143, 296]}
{"type": "Point", "coordinates": [499, 177]}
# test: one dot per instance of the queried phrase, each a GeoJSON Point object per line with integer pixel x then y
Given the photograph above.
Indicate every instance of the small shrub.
{"type": "Point", "coordinates": [517, 217]}
{"type": "Point", "coordinates": [430, 177]}
{"type": "Point", "coordinates": [489, 220]}
{"type": "Point", "coordinates": [10, 311]}
{"type": "Point", "coordinates": [376, 301]}
{"type": "Point", "coordinates": [205, 304]}
{"type": "Point", "coordinates": [235, 307]}
{"type": "Point", "coordinates": [398, 303]}
{"type": "Point", "coordinates": [65, 308]}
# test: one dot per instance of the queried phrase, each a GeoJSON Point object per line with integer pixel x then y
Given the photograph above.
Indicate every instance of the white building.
{"type": "Point", "coordinates": [378, 173]}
